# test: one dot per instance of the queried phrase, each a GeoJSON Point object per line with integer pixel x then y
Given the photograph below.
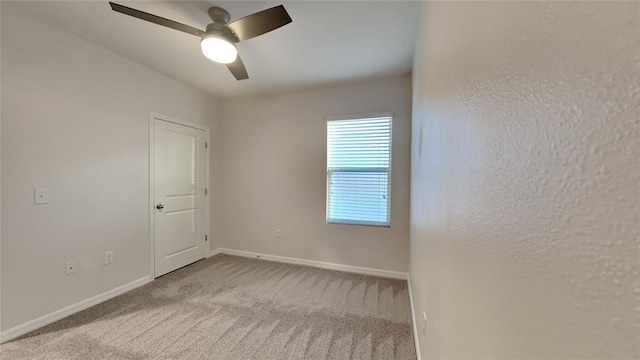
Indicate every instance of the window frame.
{"type": "Point", "coordinates": [329, 171]}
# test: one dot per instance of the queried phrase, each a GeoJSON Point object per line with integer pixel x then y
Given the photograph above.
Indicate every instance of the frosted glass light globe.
{"type": "Point", "coordinates": [219, 50]}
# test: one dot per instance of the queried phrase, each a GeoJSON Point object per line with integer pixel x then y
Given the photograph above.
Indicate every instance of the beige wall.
{"type": "Point", "coordinates": [0, 172]}
{"type": "Point", "coordinates": [274, 175]}
{"type": "Point", "coordinates": [75, 120]}
{"type": "Point", "coordinates": [525, 180]}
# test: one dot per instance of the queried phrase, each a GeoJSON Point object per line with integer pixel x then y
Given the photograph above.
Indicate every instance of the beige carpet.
{"type": "Point", "coordinates": [227, 307]}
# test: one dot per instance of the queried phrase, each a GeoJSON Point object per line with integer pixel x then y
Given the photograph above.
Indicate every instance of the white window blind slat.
{"type": "Point", "coordinates": [358, 171]}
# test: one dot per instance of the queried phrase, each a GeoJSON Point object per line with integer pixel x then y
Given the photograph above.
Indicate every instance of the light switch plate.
{"type": "Point", "coordinates": [71, 268]}
{"type": "Point", "coordinates": [41, 196]}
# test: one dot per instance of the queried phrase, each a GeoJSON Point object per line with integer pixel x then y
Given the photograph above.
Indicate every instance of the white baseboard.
{"type": "Point", "coordinates": [214, 252]}
{"type": "Point", "coordinates": [416, 334]}
{"type": "Point", "coordinates": [313, 263]}
{"type": "Point", "coordinates": [69, 310]}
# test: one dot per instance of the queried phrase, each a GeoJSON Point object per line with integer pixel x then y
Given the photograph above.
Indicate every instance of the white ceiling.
{"type": "Point", "coordinates": [328, 42]}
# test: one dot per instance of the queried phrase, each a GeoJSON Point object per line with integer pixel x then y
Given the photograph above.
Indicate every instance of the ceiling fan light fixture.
{"type": "Point", "coordinates": [218, 49]}
{"type": "Point", "coordinates": [218, 41]}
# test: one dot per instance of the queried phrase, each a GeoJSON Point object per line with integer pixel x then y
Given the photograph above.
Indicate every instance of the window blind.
{"type": "Point", "coordinates": [359, 170]}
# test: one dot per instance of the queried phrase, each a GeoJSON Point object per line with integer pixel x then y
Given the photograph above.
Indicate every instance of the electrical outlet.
{"type": "Point", "coordinates": [71, 268]}
{"type": "Point", "coordinates": [108, 257]}
{"type": "Point", "coordinates": [278, 233]}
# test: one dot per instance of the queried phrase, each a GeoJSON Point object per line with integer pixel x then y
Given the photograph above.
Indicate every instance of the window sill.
{"type": "Point", "coordinates": [334, 222]}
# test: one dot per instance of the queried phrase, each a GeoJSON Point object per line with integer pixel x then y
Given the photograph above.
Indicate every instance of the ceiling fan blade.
{"type": "Point", "coordinates": [238, 70]}
{"type": "Point", "coordinates": [259, 23]}
{"type": "Point", "coordinates": [156, 19]}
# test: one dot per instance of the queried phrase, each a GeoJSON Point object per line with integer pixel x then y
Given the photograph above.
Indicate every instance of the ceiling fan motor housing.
{"type": "Point", "coordinates": [220, 30]}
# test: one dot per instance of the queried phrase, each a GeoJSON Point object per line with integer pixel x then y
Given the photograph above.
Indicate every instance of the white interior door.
{"type": "Point", "coordinates": [179, 194]}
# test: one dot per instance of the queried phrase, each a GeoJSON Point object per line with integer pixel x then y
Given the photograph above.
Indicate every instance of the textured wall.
{"type": "Point", "coordinates": [75, 120]}
{"type": "Point", "coordinates": [274, 175]}
{"type": "Point", "coordinates": [525, 180]}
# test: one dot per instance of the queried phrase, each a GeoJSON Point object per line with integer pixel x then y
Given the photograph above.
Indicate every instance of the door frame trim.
{"type": "Point", "coordinates": [152, 222]}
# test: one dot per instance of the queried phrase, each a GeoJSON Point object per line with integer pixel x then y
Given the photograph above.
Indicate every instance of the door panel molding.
{"type": "Point", "coordinates": [153, 116]}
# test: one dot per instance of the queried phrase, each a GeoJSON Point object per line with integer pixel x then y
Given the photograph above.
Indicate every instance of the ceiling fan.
{"type": "Point", "coordinates": [218, 41]}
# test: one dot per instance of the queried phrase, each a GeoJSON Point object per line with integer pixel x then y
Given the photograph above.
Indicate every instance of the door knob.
{"type": "Point", "coordinates": [159, 206]}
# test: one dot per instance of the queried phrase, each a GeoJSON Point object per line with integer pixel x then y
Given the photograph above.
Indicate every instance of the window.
{"type": "Point", "coordinates": [359, 170]}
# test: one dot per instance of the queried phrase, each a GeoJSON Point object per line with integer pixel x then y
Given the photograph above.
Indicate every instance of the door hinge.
{"type": "Point", "coordinates": [206, 238]}
{"type": "Point", "coordinates": [206, 144]}
{"type": "Point", "coordinates": [205, 191]}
